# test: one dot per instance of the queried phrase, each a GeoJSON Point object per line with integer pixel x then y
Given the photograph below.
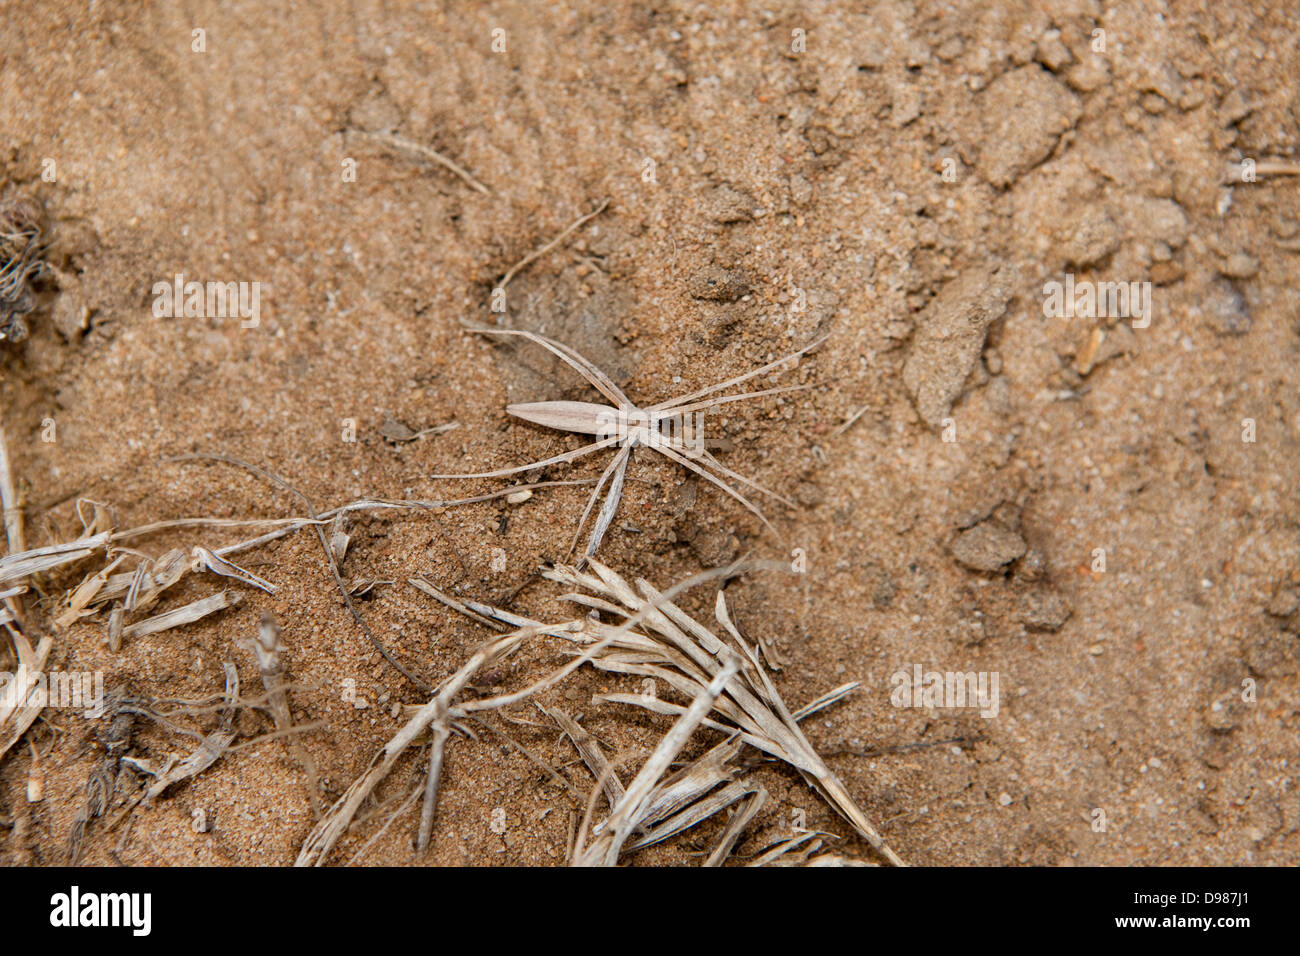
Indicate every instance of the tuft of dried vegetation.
{"type": "Point", "coordinates": [721, 686]}
{"type": "Point", "coordinates": [440, 717]}
{"type": "Point", "coordinates": [715, 682]}
{"type": "Point", "coordinates": [21, 226]}
{"type": "Point", "coordinates": [267, 648]}
{"type": "Point", "coordinates": [125, 588]}
{"type": "Point", "coordinates": [19, 709]}
{"type": "Point", "coordinates": [669, 645]}
{"type": "Point", "coordinates": [210, 748]}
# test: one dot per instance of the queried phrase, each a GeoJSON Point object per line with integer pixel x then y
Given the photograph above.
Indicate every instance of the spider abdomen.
{"type": "Point", "coordinates": [585, 418]}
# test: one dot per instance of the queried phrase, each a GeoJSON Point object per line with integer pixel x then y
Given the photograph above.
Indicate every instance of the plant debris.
{"type": "Point", "coordinates": [21, 248]}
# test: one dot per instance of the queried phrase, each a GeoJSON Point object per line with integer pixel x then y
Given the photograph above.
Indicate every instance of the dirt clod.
{"type": "Point", "coordinates": [716, 284]}
{"type": "Point", "coordinates": [988, 547]}
{"type": "Point", "coordinates": [949, 338]}
{"type": "Point", "coordinates": [1025, 113]}
{"type": "Point", "coordinates": [1045, 610]}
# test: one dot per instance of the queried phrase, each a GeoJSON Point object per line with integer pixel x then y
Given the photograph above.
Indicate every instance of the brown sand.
{"type": "Point", "coordinates": [780, 178]}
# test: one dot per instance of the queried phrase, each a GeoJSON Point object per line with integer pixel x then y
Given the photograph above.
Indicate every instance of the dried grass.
{"type": "Point", "coordinates": [21, 249]}
{"type": "Point", "coordinates": [267, 648]}
{"type": "Point", "coordinates": [714, 682]}
{"type": "Point", "coordinates": [654, 638]}
{"type": "Point", "coordinates": [631, 811]}
{"type": "Point", "coordinates": [20, 707]}
{"type": "Point", "coordinates": [128, 594]}
{"type": "Point", "coordinates": [444, 713]}
{"type": "Point", "coordinates": [440, 715]}
{"type": "Point", "coordinates": [188, 614]}
{"type": "Point", "coordinates": [673, 647]}
{"type": "Point", "coordinates": [210, 748]}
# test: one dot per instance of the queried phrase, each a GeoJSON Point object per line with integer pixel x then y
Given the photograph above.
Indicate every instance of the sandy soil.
{"type": "Point", "coordinates": [905, 180]}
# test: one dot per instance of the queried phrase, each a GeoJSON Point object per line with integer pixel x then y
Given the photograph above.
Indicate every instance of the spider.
{"type": "Point", "coordinates": [662, 427]}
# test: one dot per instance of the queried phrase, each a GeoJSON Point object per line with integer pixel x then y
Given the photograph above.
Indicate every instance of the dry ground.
{"type": "Point", "coordinates": [911, 178]}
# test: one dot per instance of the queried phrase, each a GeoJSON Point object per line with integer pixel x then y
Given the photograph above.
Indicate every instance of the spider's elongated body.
{"type": "Point", "coordinates": [663, 427]}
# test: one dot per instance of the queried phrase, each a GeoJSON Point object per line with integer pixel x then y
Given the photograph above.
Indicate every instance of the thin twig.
{"type": "Point", "coordinates": [441, 731]}
{"type": "Point", "coordinates": [13, 520]}
{"type": "Point", "coordinates": [851, 420]}
{"type": "Point", "coordinates": [538, 253]}
{"type": "Point", "coordinates": [13, 513]}
{"type": "Point", "coordinates": [400, 142]}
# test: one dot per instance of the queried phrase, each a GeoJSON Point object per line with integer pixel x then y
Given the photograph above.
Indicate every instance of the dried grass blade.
{"type": "Point", "coordinates": [787, 846]}
{"type": "Point", "coordinates": [180, 616]}
{"type": "Point", "coordinates": [162, 575]}
{"type": "Point", "coordinates": [85, 593]}
{"type": "Point", "coordinates": [228, 569]}
{"type": "Point", "coordinates": [441, 731]}
{"type": "Point", "coordinates": [693, 781]}
{"type": "Point", "coordinates": [694, 813]}
{"type": "Point", "coordinates": [13, 512]}
{"type": "Point", "coordinates": [657, 706]}
{"type": "Point", "coordinates": [15, 567]}
{"type": "Point", "coordinates": [591, 755]}
{"type": "Point", "coordinates": [209, 752]}
{"type": "Point", "coordinates": [456, 605]}
{"type": "Point", "coordinates": [710, 389]}
{"type": "Point", "coordinates": [610, 506]}
{"type": "Point", "coordinates": [605, 848]}
{"type": "Point", "coordinates": [736, 826]}
{"type": "Point", "coordinates": [19, 710]}
{"type": "Point", "coordinates": [836, 859]}
{"type": "Point", "coordinates": [826, 699]}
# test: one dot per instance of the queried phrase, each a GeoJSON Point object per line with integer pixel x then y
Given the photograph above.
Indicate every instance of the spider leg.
{"type": "Point", "coordinates": [725, 399]}
{"type": "Point", "coordinates": [556, 460]}
{"type": "Point", "coordinates": [709, 390]}
{"type": "Point", "coordinates": [595, 494]}
{"type": "Point", "coordinates": [669, 452]}
{"type": "Point", "coordinates": [610, 506]}
{"type": "Point", "coordinates": [598, 379]}
{"type": "Point", "coordinates": [704, 458]}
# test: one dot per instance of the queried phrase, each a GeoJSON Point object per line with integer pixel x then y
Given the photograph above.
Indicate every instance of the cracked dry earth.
{"type": "Point", "coordinates": [1070, 503]}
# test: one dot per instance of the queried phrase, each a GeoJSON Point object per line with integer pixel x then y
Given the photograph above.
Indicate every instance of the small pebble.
{"type": "Point", "coordinates": [993, 361]}
{"type": "Point", "coordinates": [1239, 265]}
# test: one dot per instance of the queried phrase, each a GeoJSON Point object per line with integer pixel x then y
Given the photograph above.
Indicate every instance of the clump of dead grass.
{"type": "Point", "coordinates": [721, 685]}
{"type": "Point", "coordinates": [670, 646]}
{"type": "Point", "coordinates": [715, 683]}
{"type": "Point", "coordinates": [21, 226]}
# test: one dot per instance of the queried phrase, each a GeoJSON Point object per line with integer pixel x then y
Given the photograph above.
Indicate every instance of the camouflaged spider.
{"type": "Point", "coordinates": [625, 425]}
